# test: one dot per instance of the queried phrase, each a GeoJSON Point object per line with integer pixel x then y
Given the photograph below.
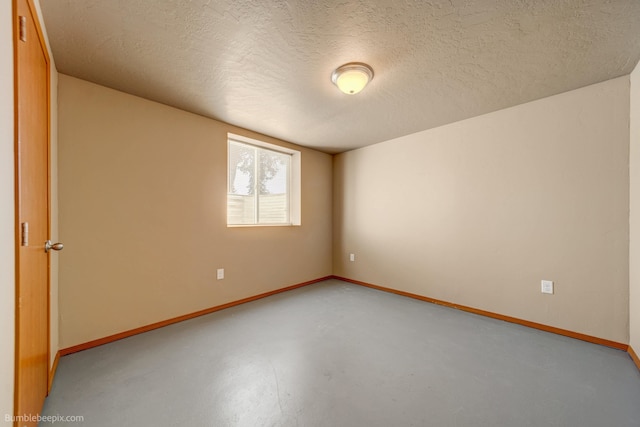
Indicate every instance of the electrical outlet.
{"type": "Point", "coordinates": [547, 287]}
{"type": "Point", "coordinates": [352, 257]}
{"type": "Point", "coordinates": [220, 274]}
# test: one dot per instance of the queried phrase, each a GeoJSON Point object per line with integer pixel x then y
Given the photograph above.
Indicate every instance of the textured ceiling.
{"type": "Point", "coordinates": [265, 64]}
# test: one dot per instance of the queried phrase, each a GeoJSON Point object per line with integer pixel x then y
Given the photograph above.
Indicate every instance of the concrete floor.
{"type": "Point", "coordinates": [337, 354]}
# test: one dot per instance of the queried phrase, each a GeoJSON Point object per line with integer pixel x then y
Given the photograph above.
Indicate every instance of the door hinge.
{"type": "Point", "coordinates": [24, 240]}
{"type": "Point", "coordinates": [23, 28]}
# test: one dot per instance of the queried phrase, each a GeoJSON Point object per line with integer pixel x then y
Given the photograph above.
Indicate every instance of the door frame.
{"type": "Point", "coordinates": [17, 170]}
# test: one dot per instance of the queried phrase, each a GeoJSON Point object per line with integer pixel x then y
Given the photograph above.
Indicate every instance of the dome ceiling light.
{"type": "Point", "coordinates": [351, 78]}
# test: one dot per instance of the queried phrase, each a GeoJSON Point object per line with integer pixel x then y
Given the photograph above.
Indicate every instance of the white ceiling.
{"type": "Point", "coordinates": [265, 64]}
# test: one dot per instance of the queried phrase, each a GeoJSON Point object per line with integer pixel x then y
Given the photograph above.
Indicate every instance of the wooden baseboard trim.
{"type": "Point", "coordinates": [546, 328]}
{"type": "Point", "coordinates": [136, 331]}
{"type": "Point", "coordinates": [634, 357]}
{"type": "Point", "coordinates": [52, 372]}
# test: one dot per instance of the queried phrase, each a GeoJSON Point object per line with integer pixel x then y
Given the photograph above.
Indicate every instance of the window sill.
{"type": "Point", "coordinates": [261, 225]}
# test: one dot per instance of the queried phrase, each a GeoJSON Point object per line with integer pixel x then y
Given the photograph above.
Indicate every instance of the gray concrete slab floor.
{"type": "Point", "coordinates": [338, 354]}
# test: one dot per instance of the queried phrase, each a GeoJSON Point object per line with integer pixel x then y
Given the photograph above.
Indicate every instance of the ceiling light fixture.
{"type": "Point", "coordinates": [351, 78]}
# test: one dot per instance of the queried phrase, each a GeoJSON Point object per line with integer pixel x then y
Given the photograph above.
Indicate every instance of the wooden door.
{"type": "Point", "coordinates": [32, 211]}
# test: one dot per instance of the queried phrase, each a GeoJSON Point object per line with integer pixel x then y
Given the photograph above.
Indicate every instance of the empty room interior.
{"type": "Point", "coordinates": [338, 213]}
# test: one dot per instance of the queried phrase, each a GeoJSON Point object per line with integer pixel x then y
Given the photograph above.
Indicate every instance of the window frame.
{"type": "Point", "coordinates": [294, 184]}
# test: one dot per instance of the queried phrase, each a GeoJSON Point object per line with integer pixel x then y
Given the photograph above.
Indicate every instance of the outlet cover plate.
{"type": "Point", "coordinates": [546, 286]}
{"type": "Point", "coordinates": [220, 274]}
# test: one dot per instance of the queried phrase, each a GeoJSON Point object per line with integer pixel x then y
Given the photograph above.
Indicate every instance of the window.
{"type": "Point", "coordinates": [263, 183]}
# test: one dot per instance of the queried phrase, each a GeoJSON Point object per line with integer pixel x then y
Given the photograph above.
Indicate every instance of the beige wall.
{"type": "Point", "coordinates": [634, 219]}
{"type": "Point", "coordinates": [143, 216]}
{"type": "Point", "coordinates": [479, 211]}
{"type": "Point", "coordinates": [7, 250]}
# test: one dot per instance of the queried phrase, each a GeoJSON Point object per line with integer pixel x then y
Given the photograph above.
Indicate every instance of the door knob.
{"type": "Point", "coordinates": [55, 246]}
